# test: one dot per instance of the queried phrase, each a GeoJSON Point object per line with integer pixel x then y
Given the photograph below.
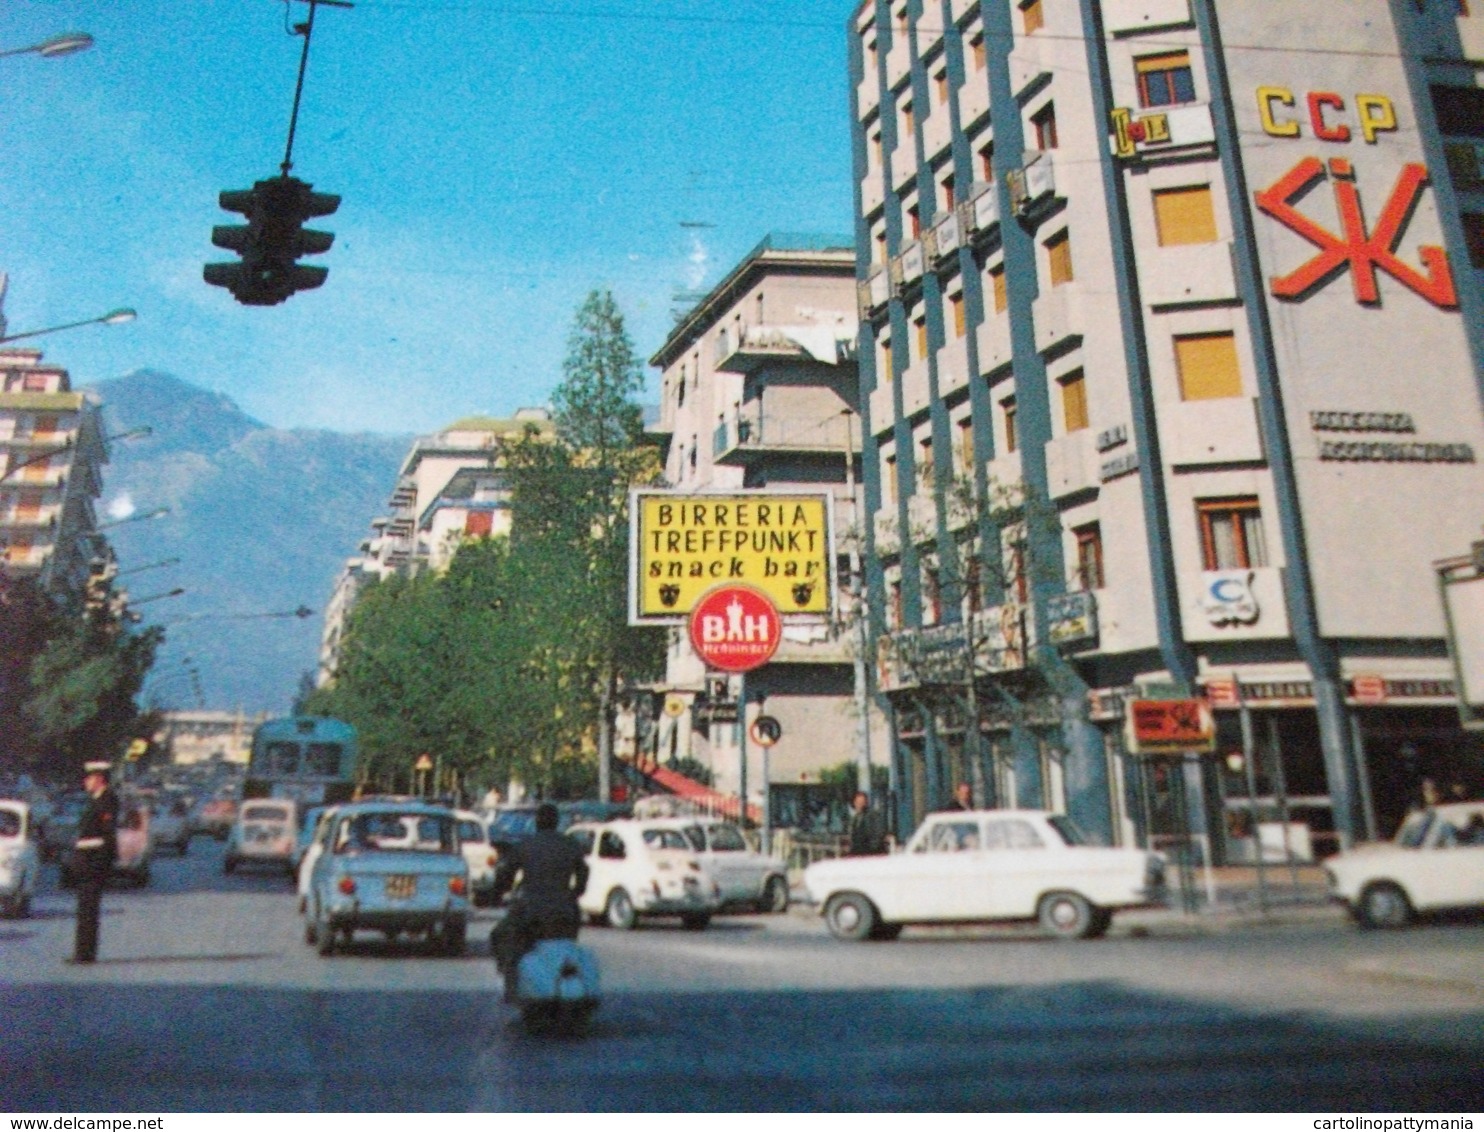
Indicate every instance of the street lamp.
{"type": "Point", "coordinates": [112, 318]}
{"type": "Point", "coordinates": [157, 513]}
{"type": "Point", "coordinates": [132, 434]}
{"type": "Point", "coordinates": [302, 612]}
{"type": "Point", "coordinates": [68, 43]}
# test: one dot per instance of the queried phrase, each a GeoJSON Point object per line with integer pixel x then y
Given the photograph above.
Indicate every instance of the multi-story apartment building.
{"type": "Point", "coordinates": [759, 390]}
{"type": "Point", "coordinates": [51, 452]}
{"type": "Point", "coordinates": [1171, 353]}
{"type": "Point", "coordinates": [448, 488]}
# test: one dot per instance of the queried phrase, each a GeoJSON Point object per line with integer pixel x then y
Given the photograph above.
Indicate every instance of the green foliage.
{"type": "Point", "coordinates": [501, 667]}
{"type": "Point", "coordinates": [842, 780]}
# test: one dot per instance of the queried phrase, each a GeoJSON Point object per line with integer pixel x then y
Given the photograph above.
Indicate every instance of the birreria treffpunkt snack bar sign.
{"type": "Point", "coordinates": [684, 544]}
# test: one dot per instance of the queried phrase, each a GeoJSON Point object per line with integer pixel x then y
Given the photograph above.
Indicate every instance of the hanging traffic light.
{"type": "Point", "coordinates": [272, 241]}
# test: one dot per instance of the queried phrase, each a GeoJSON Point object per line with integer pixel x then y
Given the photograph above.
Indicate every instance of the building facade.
{"type": "Point", "coordinates": [51, 453]}
{"type": "Point", "coordinates": [759, 390]}
{"type": "Point", "coordinates": [1171, 358]}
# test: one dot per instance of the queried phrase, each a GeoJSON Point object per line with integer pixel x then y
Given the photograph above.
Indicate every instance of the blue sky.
{"type": "Point", "coordinates": [496, 161]}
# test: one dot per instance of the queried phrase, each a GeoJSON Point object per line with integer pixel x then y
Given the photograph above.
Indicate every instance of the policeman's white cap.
{"type": "Point", "coordinates": [97, 768]}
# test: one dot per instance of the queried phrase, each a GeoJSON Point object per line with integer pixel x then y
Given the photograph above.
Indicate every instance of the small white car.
{"type": "Point", "coordinates": [479, 855]}
{"type": "Point", "coordinates": [265, 833]}
{"type": "Point", "coordinates": [643, 868]}
{"type": "Point", "coordinates": [1435, 863]}
{"type": "Point", "coordinates": [20, 859]}
{"type": "Point", "coordinates": [986, 866]}
{"type": "Point", "coordinates": [747, 879]}
{"type": "Point", "coordinates": [170, 821]}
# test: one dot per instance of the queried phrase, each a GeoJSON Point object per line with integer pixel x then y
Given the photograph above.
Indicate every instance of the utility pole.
{"type": "Point", "coordinates": [862, 632]}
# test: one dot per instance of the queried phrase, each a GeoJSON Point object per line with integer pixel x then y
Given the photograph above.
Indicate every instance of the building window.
{"type": "Point", "coordinates": [909, 121]}
{"type": "Point", "coordinates": [940, 87]}
{"type": "Point", "coordinates": [932, 596]}
{"type": "Point", "coordinates": [997, 287]}
{"type": "Point", "coordinates": [1007, 407]}
{"type": "Point", "coordinates": [1231, 534]}
{"type": "Point", "coordinates": [986, 163]}
{"type": "Point", "coordinates": [885, 376]}
{"type": "Point", "coordinates": [1089, 556]}
{"type": "Point", "coordinates": [894, 597]}
{"type": "Point", "coordinates": [949, 197]}
{"type": "Point", "coordinates": [680, 389]}
{"type": "Point", "coordinates": [28, 503]}
{"type": "Point", "coordinates": [1074, 401]}
{"type": "Point", "coordinates": [1044, 125]}
{"type": "Point", "coordinates": [1032, 17]}
{"type": "Point", "coordinates": [1460, 110]}
{"type": "Point", "coordinates": [1185, 216]}
{"type": "Point", "coordinates": [920, 336]}
{"type": "Point", "coordinates": [1059, 258]}
{"type": "Point", "coordinates": [889, 482]}
{"type": "Point", "coordinates": [925, 462]}
{"type": "Point", "coordinates": [870, 58]}
{"type": "Point", "coordinates": [1473, 236]}
{"type": "Point", "coordinates": [914, 222]}
{"type": "Point", "coordinates": [976, 52]}
{"type": "Point", "coordinates": [1208, 368]}
{"type": "Point", "coordinates": [880, 239]}
{"type": "Point", "coordinates": [966, 446]}
{"type": "Point", "coordinates": [1465, 164]}
{"type": "Point", "coordinates": [1165, 80]}
{"type": "Point", "coordinates": [34, 383]}
{"type": "Point", "coordinates": [956, 308]}
{"type": "Point", "coordinates": [478, 524]}
{"type": "Point", "coordinates": [973, 583]}
{"type": "Point", "coordinates": [1015, 564]}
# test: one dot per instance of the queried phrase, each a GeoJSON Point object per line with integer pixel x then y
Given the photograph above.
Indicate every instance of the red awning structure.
{"type": "Point", "coordinates": [674, 782]}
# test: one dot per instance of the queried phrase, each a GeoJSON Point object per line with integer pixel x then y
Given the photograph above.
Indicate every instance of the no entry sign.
{"type": "Point", "coordinates": [735, 628]}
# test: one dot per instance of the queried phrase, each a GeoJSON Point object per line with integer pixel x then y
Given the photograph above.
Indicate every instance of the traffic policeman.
{"type": "Point", "coordinates": [93, 856]}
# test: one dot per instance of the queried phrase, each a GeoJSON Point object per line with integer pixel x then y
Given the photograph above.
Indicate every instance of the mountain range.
{"type": "Point", "coordinates": [261, 520]}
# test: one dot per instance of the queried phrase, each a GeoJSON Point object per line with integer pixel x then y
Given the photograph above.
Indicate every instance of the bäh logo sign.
{"type": "Point", "coordinates": [735, 628]}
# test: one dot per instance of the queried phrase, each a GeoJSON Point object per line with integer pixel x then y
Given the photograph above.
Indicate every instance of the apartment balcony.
{"type": "Point", "coordinates": [953, 367]}
{"type": "Point", "coordinates": [867, 95]}
{"type": "Point", "coordinates": [973, 99]}
{"type": "Point", "coordinates": [898, 60]}
{"type": "Point", "coordinates": [1234, 605]}
{"type": "Point", "coordinates": [945, 236]}
{"type": "Point", "coordinates": [937, 131]}
{"type": "Point", "coordinates": [882, 407]}
{"type": "Point", "coordinates": [981, 212]}
{"type": "Point", "coordinates": [1205, 433]}
{"type": "Point", "coordinates": [1030, 64]}
{"type": "Point", "coordinates": [885, 530]}
{"type": "Point", "coordinates": [1058, 318]}
{"type": "Point", "coordinates": [903, 163]}
{"type": "Point", "coordinates": [916, 392]}
{"type": "Point", "coordinates": [922, 514]}
{"type": "Point", "coordinates": [1127, 17]}
{"type": "Point", "coordinates": [1006, 488]}
{"type": "Point", "coordinates": [758, 346]}
{"type": "Point", "coordinates": [1034, 183]}
{"type": "Point", "coordinates": [908, 267]}
{"type": "Point", "coordinates": [1187, 275]}
{"type": "Point", "coordinates": [873, 292]}
{"type": "Point", "coordinates": [1072, 464]}
{"type": "Point", "coordinates": [873, 191]}
{"type": "Point", "coordinates": [958, 9]}
{"type": "Point", "coordinates": [994, 342]}
{"type": "Point", "coordinates": [404, 494]}
{"type": "Point", "coordinates": [752, 435]}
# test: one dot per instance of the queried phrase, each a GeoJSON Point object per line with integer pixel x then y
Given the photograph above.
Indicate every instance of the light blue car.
{"type": "Point", "coordinates": [392, 867]}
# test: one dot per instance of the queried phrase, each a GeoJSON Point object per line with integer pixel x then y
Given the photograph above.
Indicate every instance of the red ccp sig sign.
{"type": "Point", "coordinates": [735, 628]}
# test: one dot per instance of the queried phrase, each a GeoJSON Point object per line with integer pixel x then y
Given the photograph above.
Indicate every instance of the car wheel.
{"type": "Point", "coordinates": [324, 935]}
{"type": "Point", "coordinates": [619, 911]}
{"type": "Point", "coordinates": [695, 921]}
{"type": "Point", "coordinates": [1384, 905]}
{"type": "Point", "coordinates": [455, 934]}
{"type": "Point", "coordinates": [775, 895]}
{"type": "Point", "coordinates": [849, 915]}
{"type": "Point", "coordinates": [1066, 915]}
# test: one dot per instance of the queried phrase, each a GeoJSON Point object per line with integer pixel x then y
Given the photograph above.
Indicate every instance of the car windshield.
{"type": "Point", "coordinates": [392, 831]}
{"type": "Point", "coordinates": [515, 822]}
{"type": "Point", "coordinates": [665, 839]}
{"type": "Point", "coordinates": [727, 839]}
{"type": "Point", "coordinates": [1414, 830]}
{"type": "Point", "coordinates": [264, 813]}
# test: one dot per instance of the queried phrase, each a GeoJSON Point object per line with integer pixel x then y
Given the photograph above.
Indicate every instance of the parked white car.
{"type": "Point", "coordinates": [747, 878]}
{"type": "Point", "coordinates": [20, 859]}
{"type": "Point", "coordinates": [170, 821]}
{"type": "Point", "coordinates": [643, 868]}
{"type": "Point", "coordinates": [1434, 863]}
{"type": "Point", "coordinates": [266, 832]}
{"type": "Point", "coordinates": [479, 855]}
{"type": "Point", "coordinates": [986, 866]}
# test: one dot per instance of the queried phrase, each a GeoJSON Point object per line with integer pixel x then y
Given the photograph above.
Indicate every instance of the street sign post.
{"type": "Point", "coordinates": [765, 731]}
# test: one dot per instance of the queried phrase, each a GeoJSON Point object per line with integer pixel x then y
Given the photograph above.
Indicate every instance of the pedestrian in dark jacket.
{"type": "Point", "coordinates": [963, 799]}
{"type": "Point", "coordinates": [93, 856]}
{"type": "Point", "coordinates": [867, 829]}
{"type": "Point", "coordinates": [552, 875]}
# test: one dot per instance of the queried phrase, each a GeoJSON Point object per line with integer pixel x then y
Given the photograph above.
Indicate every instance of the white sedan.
{"type": "Point", "coordinates": [20, 859]}
{"type": "Point", "coordinates": [643, 868]}
{"type": "Point", "coordinates": [986, 866]}
{"type": "Point", "coordinates": [747, 879]}
{"type": "Point", "coordinates": [479, 855]}
{"type": "Point", "coordinates": [1433, 864]}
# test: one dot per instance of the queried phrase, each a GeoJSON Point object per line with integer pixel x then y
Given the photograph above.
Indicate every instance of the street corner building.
{"type": "Point", "coordinates": [1170, 360]}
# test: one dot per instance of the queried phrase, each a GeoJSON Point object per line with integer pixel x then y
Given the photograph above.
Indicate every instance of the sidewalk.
{"type": "Point", "coordinates": [1231, 896]}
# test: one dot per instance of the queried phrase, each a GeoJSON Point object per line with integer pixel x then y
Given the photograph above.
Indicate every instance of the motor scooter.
{"type": "Point", "coordinates": [556, 988]}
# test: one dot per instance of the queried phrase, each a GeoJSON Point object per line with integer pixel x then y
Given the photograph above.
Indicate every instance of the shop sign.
{"type": "Point", "coordinates": [1119, 465]}
{"type": "Point", "coordinates": [683, 544]}
{"type": "Point", "coordinates": [1170, 727]}
{"type": "Point", "coordinates": [1112, 437]}
{"type": "Point", "coordinates": [1223, 694]}
{"type": "Point", "coordinates": [1227, 598]}
{"type": "Point", "coordinates": [1072, 618]}
{"type": "Point", "coordinates": [1299, 692]}
{"type": "Point", "coordinates": [735, 628]}
{"type": "Point", "coordinates": [1368, 689]}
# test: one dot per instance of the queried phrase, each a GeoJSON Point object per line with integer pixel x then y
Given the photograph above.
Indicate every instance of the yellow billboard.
{"type": "Point", "coordinates": [683, 544]}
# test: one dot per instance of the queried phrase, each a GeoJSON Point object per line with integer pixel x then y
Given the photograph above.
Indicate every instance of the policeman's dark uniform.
{"type": "Point", "coordinates": [867, 834]}
{"type": "Point", "coordinates": [92, 861]}
{"type": "Point", "coordinates": [553, 874]}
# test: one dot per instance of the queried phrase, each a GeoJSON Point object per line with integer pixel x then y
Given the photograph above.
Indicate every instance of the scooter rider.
{"type": "Point", "coordinates": [552, 875]}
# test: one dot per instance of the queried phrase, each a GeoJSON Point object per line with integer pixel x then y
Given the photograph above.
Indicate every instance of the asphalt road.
{"type": "Point", "coordinates": [206, 999]}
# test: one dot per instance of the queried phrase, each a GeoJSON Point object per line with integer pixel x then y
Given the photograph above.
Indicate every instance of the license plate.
{"type": "Point", "coordinates": [401, 887]}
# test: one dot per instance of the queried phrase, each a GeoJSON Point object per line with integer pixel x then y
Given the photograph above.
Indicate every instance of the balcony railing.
{"type": "Point", "coordinates": [751, 433]}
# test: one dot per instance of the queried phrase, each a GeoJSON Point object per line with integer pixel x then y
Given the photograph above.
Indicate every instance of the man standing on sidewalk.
{"type": "Point", "coordinates": [93, 856]}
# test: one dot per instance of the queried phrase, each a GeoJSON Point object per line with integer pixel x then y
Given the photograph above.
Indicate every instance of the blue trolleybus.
{"type": "Point", "coordinates": [309, 758]}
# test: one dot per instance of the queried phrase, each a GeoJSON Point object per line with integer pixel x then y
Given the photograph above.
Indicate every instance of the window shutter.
{"type": "Point", "coordinates": [1208, 367]}
{"type": "Point", "coordinates": [1185, 216]}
